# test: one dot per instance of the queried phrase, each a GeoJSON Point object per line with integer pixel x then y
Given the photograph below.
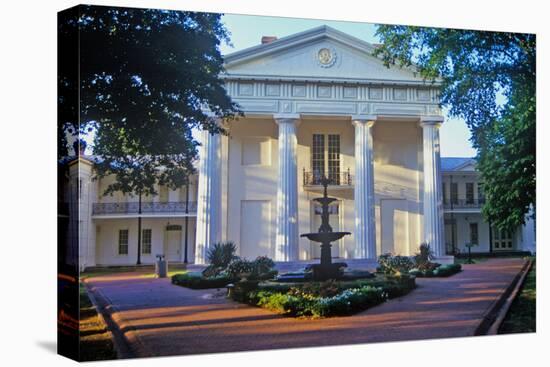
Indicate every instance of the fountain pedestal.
{"type": "Point", "coordinates": [326, 269]}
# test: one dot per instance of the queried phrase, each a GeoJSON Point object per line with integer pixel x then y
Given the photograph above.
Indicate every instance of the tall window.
{"type": "Point", "coordinates": [334, 159]}
{"type": "Point", "coordinates": [146, 241]}
{"type": "Point", "coordinates": [474, 235]}
{"type": "Point", "coordinates": [444, 189]}
{"type": "Point", "coordinates": [469, 192]}
{"type": "Point", "coordinates": [123, 242]}
{"type": "Point", "coordinates": [318, 157]}
{"type": "Point", "coordinates": [325, 157]}
{"type": "Point", "coordinates": [454, 193]}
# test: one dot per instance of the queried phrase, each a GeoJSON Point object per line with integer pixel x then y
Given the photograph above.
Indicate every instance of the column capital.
{"type": "Point", "coordinates": [431, 121]}
{"type": "Point", "coordinates": [364, 118]}
{"type": "Point", "coordinates": [286, 117]}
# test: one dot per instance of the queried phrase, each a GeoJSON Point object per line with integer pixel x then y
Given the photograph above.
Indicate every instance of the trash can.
{"type": "Point", "coordinates": [161, 267]}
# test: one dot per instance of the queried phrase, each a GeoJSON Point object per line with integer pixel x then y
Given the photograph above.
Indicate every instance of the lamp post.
{"type": "Point", "coordinates": [139, 231]}
{"type": "Point", "coordinates": [453, 244]}
{"type": "Point", "coordinates": [185, 259]}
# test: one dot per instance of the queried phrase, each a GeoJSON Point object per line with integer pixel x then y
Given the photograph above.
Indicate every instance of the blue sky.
{"type": "Point", "coordinates": [247, 30]}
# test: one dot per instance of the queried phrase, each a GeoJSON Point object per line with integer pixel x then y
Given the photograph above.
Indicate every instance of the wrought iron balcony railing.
{"type": "Point", "coordinates": [170, 207]}
{"type": "Point", "coordinates": [464, 203]}
{"type": "Point", "coordinates": [335, 178]}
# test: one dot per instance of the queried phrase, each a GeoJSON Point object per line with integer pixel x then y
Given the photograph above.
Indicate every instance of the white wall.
{"type": "Point", "coordinates": [251, 182]}
{"type": "Point", "coordinates": [462, 230]}
{"type": "Point", "coordinates": [107, 239]}
{"type": "Point", "coordinates": [398, 175]}
{"type": "Point", "coordinates": [527, 236]}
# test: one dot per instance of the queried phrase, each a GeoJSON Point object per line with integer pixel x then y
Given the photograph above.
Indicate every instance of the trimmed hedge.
{"type": "Point", "coordinates": [440, 271]}
{"type": "Point", "coordinates": [197, 281]}
{"type": "Point", "coordinates": [345, 303]}
{"type": "Point", "coordinates": [447, 270]}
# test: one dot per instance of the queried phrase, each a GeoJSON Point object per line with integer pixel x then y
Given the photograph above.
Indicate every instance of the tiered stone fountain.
{"type": "Point", "coordinates": [326, 269]}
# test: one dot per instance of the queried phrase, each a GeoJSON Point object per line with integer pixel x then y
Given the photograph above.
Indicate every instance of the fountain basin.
{"type": "Point", "coordinates": [325, 236]}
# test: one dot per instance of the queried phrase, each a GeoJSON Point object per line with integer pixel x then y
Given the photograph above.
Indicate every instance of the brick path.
{"type": "Point", "coordinates": [161, 319]}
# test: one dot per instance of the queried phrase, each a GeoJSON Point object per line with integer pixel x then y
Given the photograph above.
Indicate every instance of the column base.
{"type": "Point", "coordinates": [444, 260]}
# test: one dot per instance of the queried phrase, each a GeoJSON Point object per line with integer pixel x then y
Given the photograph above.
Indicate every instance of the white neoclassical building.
{"type": "Point", "coordinates": [318, 103]}
{"type": "Point", "coordinates": [315, 104]}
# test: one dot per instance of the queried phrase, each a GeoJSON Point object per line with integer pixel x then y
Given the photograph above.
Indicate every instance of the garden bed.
{"type": "Point", "coordinates": [322, 299]}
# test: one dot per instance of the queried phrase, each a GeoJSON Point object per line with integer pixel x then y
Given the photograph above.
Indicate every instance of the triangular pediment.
{"type": "Point", "coordinates": [467, 167]}
{"type": "Point", "coordinates": [298, 56]}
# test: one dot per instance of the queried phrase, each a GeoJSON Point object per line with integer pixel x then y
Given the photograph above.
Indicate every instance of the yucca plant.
{"type": "Point", "coordinates": [219, 256]}
{"type": "Point", "coordinates": [424, 257]}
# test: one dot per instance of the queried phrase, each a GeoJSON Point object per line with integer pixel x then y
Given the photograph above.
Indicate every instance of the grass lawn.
{"type": "Point", "coordinates": [170, 273]}
{"type": "Point", "coordinates": [95, 340]}
{"type": "Point", "coordinates": [145, 272]}
{"type": "Point", "coordinates": [521, 317]}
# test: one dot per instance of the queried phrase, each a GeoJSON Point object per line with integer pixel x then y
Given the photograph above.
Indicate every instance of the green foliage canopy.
{"type": "Point", "coordinates": [146, 77]}
{"type": "Point", "coordinates": [489, 80]}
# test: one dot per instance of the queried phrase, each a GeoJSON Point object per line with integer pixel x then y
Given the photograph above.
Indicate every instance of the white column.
{"type": "Point", "coordinates": [433, 201]}
{"type": "Point", "coordinates": [209, 195]}
{"type": "Point", "coordinates": [365, 229]}
{"type": "Point", "coordinates": [286, 245]}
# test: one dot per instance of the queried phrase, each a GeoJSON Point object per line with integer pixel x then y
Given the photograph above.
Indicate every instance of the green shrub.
{"type": "Point", "coordinates": [304, 304]}
{"type": "Point", "coordinates": [394, 265]}
{"type": "Point", "coordinates": [328, 288]}
{"type": "Point", "coordinates": [238, 267]}
{"type": "Point", "coordinates": [219, 256]}
{"type": "Point", "coordinates": [262, 268]}
{"type": "Point", "coordinates": [393, 285]}
{"type": "Point", "coordinates": [263, 265]}
{"type": "Point", "coordinates": [349, 301]}
{"type": "Point", "coordinates": [275, 287]}
{"type": "Point", "coordinates": [197, 281]}
{"type": "Point", "coordinates": [323, 299]}
{"type": "Point", "coordinates": [422, 259]}
{"type": "Point", "coordinates": [439, 271]}
{"type": "Point", "coordinates": [244, 290]}
{"type": "Point", "coordinates": [286, 303]}
{"type": "Point", "coordinates": [447, 270]}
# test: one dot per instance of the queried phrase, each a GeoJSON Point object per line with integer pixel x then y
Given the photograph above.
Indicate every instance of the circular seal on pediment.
{"type": "Point", "coordinates": [326, 57]}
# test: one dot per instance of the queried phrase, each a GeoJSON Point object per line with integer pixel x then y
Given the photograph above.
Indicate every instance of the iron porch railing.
{"type": "Point", "coordinates": [170, 207]}
{"type": "Point", "coordinates": [343, 178]}
{"type": "Point", "coordinates": [464, 203]}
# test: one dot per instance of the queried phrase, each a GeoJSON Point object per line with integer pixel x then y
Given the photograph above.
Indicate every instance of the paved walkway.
{"type": "Point", "coordinates": [161, 319]}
